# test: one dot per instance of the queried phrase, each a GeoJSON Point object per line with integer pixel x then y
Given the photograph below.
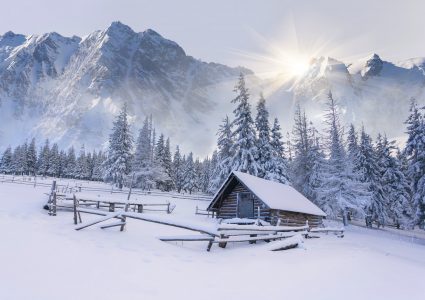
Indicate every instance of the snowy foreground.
{"type": "Point", "coordinates": [43, 257]}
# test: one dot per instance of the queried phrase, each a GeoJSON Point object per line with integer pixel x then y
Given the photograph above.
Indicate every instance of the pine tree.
{"type": "Point", "coordinates": [224, 156]}
{"type": "Point", "coordinates": [168, 165]}
{"type": "Point", "coordinates": [265, 150]}
{"type": "Point", "coordinates": [143, 159]}
{"type": "Point", "coordinates": [97, 166]}
{"type": "Point", "coordinates": [71, 164]}
{"type": "Point", "coordinates": [178, 170]}
{"type": "Point", "coordinates": [395, 184]}
{"type": "Point", "coordinates": [279, 166]}
{"type": "Point", "coordinates": [162, 180]}
{"type": "Point", "coordinates": [415, 153]}
{"type": "Point", "coordinates": [244, 150]}
{"type": "Point", "coordinates": [6, 161]}
{"type": "Point", "coordinates": [352, 145]}
{"type": "Point", "coordinates": [118, 164]}
{"type": "Point", "coordinates": [17, 160]}
{"type": "Point", "coordinates": [44, 159]}
{"type": "Point", "coordinates": [32, 158]}
{"type": "Point", "coordinates": [81, 171]}
{"type": "Point", "coordinates": [189, 182]}
{"type": "Point", "coordinates": [54, 163]}
{"type": "Point", "coordinates": [340, 193]}
{"type": "Point", "coordinates": [369, 172]}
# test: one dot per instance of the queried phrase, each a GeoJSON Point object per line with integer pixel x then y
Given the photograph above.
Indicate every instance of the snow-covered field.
{"type": "Point", "coordinates": [43, 257]}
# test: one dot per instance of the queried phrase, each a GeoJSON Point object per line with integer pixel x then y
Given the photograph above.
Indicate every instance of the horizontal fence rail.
{"type": "Point", "coordinates": [67, 188]}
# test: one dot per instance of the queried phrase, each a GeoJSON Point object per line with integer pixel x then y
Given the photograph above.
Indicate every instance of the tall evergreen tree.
{"type": "Point", "coordinates": [340, 193]}
{"type": "Point", "coordinates": [189, 181]}
{"type": "Point", "coordinates": [244, 150]}
{"type": "Point", "coordinates": [264, 147]}
{"type": "Point", "coordinates": [415, 152]}
{"type": "Point", "coordinates": [395, 184]}
{"type": "Point", "coordinates": [178, 170]}
{"type": "Point", "coordinates": [6, 161]}
{"type": "Point", "coordinates": [279, 166]}
{"type": "Point", "coordinates": [223, 166]}
{"type": "Point", "coordinates": [369, 172]}
{"type": "Point", "coordinates": [32, 158]}
{"type": "Point", "coordinates": [118, 163]}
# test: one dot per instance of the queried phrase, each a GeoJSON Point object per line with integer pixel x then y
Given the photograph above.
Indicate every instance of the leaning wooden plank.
{"type": "Point", "coordinates": [175, 223]}
{"type": "Point", "coordinates": [116, 224]}
{"type": "Point", "coordinates": [186, 238]}
{"type": "Point", "coordinates": [109, 216]}
{"type": "Point", "coordinates": [92, 211]}
{"type": "Point", "coordinates": [249, 232]}
{"type": "Point", "coordinates": [328, 229]}
{"type": "Point", "coordinates": [261, 228]}
{"type": "Point", "coordinates": [286, 244]}
{"type": "Point", "coordinates": [237, 239]}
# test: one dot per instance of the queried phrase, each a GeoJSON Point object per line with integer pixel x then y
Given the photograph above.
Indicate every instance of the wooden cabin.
{"type": "Point", "coordinates": [246, 196]}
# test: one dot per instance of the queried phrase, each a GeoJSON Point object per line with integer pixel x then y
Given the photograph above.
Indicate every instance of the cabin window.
{"type": "Point", "coordinates": [245, 205]}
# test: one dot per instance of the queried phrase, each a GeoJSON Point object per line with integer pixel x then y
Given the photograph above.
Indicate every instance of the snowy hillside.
{"type": "Point", "coordinates": [43, 257]}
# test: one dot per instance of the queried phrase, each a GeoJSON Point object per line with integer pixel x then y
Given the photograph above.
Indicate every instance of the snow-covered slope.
{"type": "Point", "coordinates": [42, 256]}
{"type": "Point", "coordinates": [70, 88]}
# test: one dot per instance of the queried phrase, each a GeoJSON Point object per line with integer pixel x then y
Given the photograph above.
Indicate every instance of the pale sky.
{"type": "Point", "coordinates": [227, 31]}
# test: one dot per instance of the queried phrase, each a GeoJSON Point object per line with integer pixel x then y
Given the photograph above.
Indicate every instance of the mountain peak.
{"type": "Point", "coordinates": [372, 67]}
{"type": "Point", "coordinates": [118, 27]}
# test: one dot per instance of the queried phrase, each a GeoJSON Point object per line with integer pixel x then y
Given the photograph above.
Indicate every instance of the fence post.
{"type": "Point", "coordinates": [75, 209]}
{"type": "Point", "coordinates": [168, 207]}
{"type": "Point", "coordinates": [54, 204]}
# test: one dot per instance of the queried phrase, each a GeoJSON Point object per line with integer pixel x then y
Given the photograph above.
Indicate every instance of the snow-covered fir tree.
{"type": "Point", "coordinates": [244, 150]}
{"type": "Point", "coordinates": [223, 167]}
{"type": "Point", "coordinates": [43, 162]}
{"type": "Point", "coordinates": [415, 153]}
{"type": "Point", "coordinates": [264, 148]}
{"type": "Point", "coordinates": [340, 193]}
{"type": "Point", "coordinates": [32, 158]}
{"type": "Point", "coordinates": [394, 183]}
{"type": "Point", "coordinates": [54, 161]}
{"type": "Point", "coordinates": [178, 170]}
{"type": "Point", "coordinates": [118, 163]}
{"type": "Point", "coordinates": [189, 181]}
{"type": "Point", "coordinates": [369, 171]}
{"type": "Point", "coordinates": [6, 161]}
{"type": "Point", "coordinates": [279, 166]}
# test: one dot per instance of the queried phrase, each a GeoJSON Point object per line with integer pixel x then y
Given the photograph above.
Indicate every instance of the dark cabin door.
{"type": "Point", "coordinates": [245, 205]}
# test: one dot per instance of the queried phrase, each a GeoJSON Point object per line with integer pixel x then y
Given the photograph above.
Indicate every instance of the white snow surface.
{"type": "Point", "coordinates": [43, 258]}
{"type": "Point", "coordinates": [279, 196]}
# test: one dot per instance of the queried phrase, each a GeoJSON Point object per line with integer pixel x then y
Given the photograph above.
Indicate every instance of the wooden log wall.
{"type": "Point", "coordinates": [289, 218]}
{"type": "Point", "coordinates": [229, 206]}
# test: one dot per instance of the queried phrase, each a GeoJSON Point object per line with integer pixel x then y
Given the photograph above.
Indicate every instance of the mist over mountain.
{"type": "Point", "coordinates": [371, 92]}
{"type": "Point", "coordinates": [70, 88]}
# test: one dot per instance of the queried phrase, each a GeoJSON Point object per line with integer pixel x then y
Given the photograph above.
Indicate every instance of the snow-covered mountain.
{"type": "Point", "coordinates": [372, 92]}
{"type": "Point", "coordinates": [69, 89]}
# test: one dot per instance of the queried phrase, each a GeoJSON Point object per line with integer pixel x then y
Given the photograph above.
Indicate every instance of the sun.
{"type": "Point", "coordinates": [296, 66]}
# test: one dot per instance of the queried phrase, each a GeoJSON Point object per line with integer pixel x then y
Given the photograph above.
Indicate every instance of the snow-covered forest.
{"type": "Point", "coordinates": [342, 169]}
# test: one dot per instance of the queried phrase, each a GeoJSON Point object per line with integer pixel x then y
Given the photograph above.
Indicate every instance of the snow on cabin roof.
{"type": "Point", "coordinates": [278, 195]}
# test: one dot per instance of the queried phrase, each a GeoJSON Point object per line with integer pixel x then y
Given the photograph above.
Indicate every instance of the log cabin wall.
{"type": "Point", "coordinates": [229, 206]}
{"type": "Point", "coordinates": [289, 218]}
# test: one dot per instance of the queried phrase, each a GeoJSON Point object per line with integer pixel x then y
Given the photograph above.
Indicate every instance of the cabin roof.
{"type": "Point", "coordinates": [275, 195]}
